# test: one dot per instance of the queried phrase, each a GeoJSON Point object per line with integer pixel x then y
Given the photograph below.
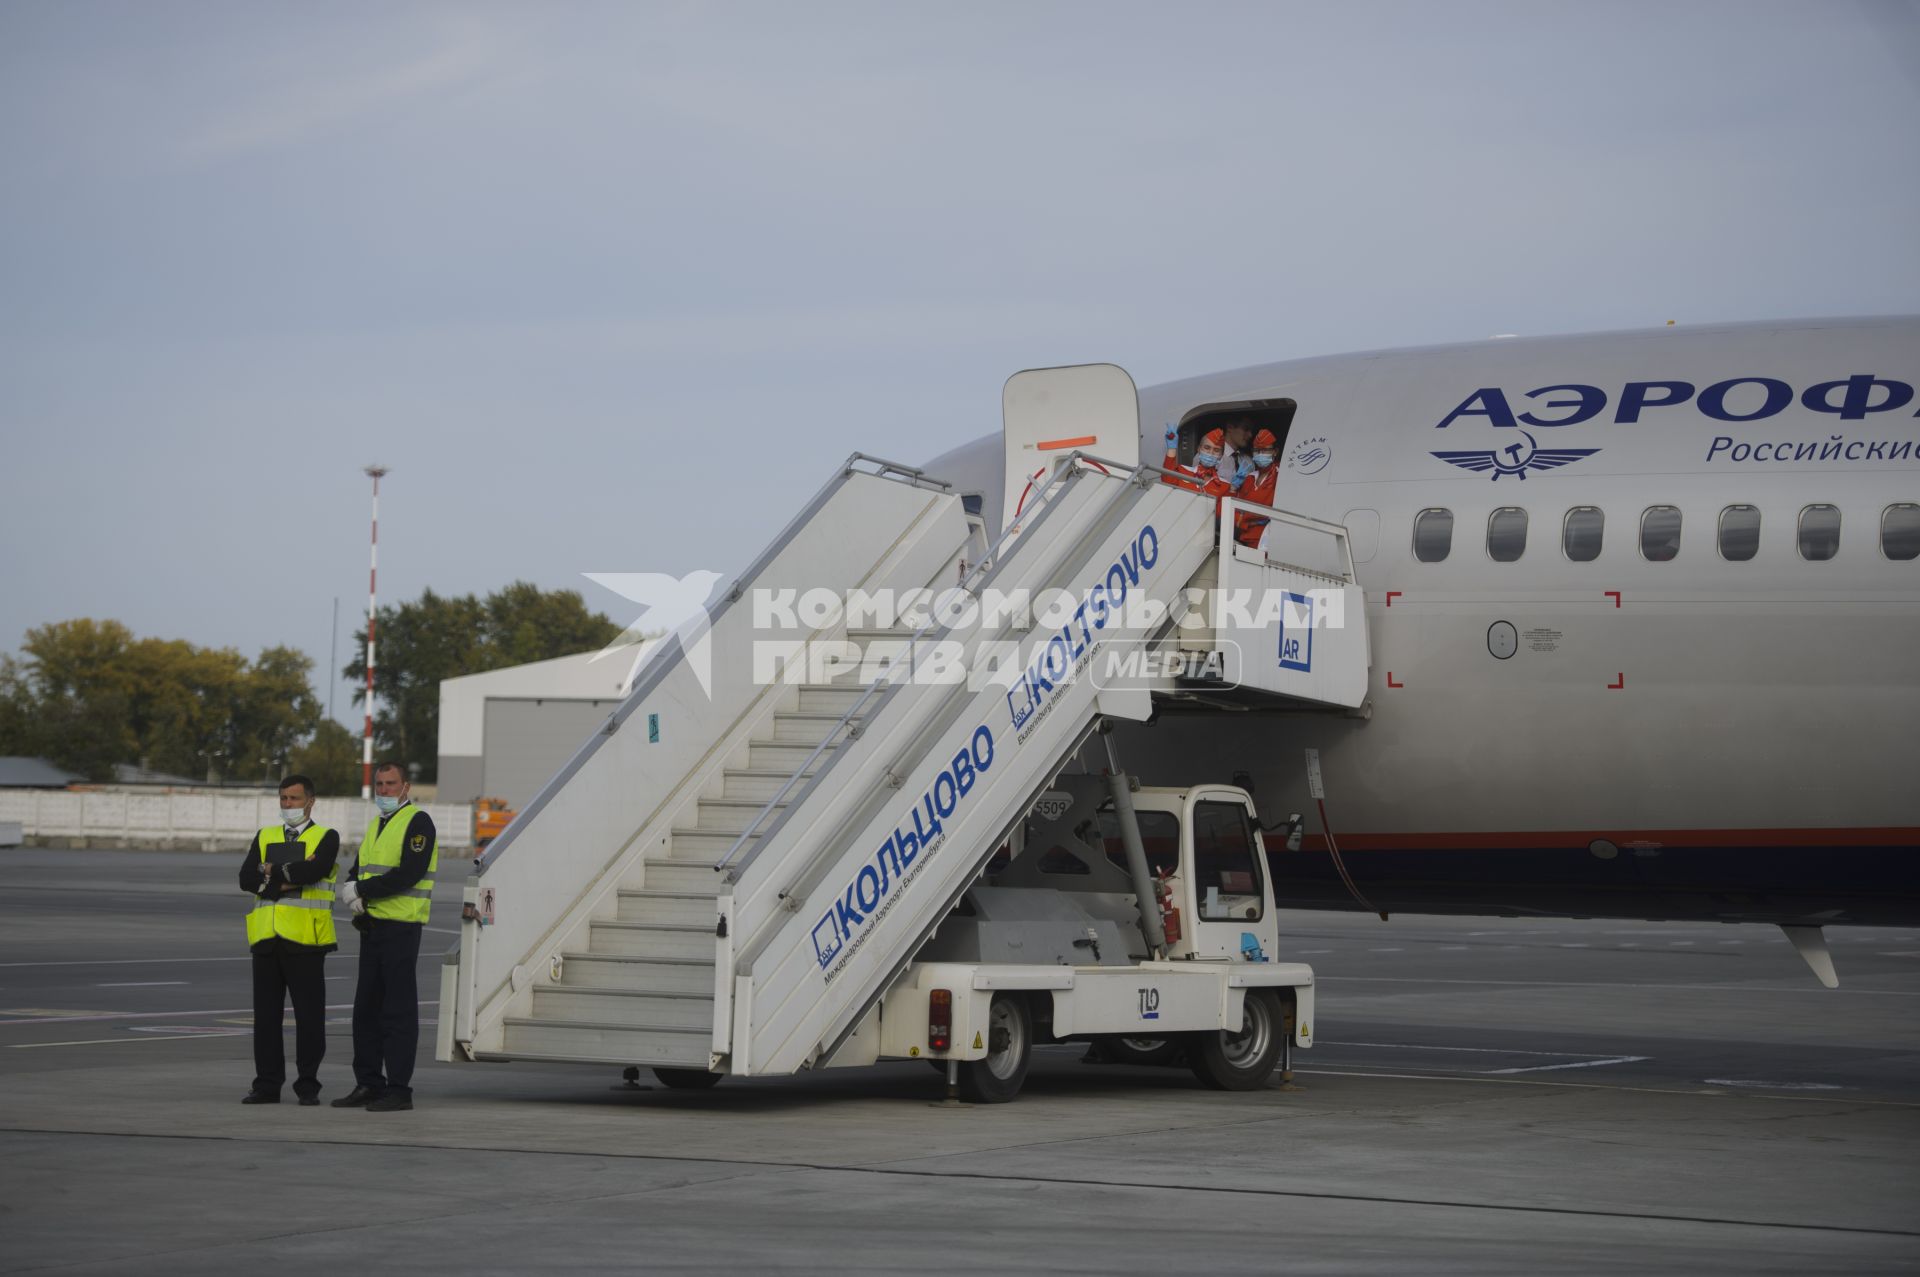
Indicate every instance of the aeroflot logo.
{"type": "Point", "coordinates": [1060, 657]}
{"type": "Point", "coordinates": [1736, 399]}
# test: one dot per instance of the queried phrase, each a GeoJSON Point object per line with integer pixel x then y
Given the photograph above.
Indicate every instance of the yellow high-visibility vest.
{"type": "Point", "coordinates": [304, 919]}
{"type": "Point", "coordinates": [380, 851]}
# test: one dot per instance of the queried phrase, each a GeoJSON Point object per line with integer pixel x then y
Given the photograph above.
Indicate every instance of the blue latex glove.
{"type": "Point", "coordinates": [1242, 467]}
{"type": "Point", "coordinates": [1173, 435]}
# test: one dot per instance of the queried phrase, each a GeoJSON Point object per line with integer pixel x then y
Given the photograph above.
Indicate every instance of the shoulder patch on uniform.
{"type": "Point", "coordinates": [417, 843]}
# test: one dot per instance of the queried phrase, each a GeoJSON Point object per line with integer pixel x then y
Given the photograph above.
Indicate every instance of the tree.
{"type": "Point", "coordinates": [438, 637]}
{"type": "Point", "coordinates": [89, 695]}
{"type": "Point", "coordinates": [332, 758]}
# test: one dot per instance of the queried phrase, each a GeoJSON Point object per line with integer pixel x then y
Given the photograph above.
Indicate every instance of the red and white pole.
{"type": "Point", "coordinates": [373, 572]}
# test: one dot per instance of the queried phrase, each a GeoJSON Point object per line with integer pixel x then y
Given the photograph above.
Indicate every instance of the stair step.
{"type": "Point", "coordinates": [650, 939]}
{"type": "Point", "coordinates": [621, 1006]}
{"type": "Point", "coordinates": [702, 847]}
{"type": "Point", "coordinates": [586, 1042]}
{"type": "Point", "coordinates": [749, 784]}
{"type": "Point", "coordinates": [732, 815]}
{"type": "Point", "coordinates": [682, 877]}
{"type": "Point", "coordinates": [830, 698]}
{"type": "Point", "coordinates": [598, 970]}
{"type": "Point", "coordinates": [803, 728]}
{"type": "Point", "coordinates": [668, 908]}
{"type": "Point", "coordinates": [784, 756]}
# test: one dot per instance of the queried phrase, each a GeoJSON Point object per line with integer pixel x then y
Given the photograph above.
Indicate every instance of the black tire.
{"type": "Point", "coordinates": [1145, 1052]}
{"type": "Point", "coordinates": [997, 1079]}
{"type": "Point", "coordinates": [1244, 1060]}
{"type": "Point", "coordinates": [687, 1079]}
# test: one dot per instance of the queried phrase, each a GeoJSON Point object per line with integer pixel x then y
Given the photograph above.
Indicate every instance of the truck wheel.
{"type": "Point", "coordinates": [1150, 1052]}
{"type": "Point", "coordinates": [1241, 1061]}
{"type": "Point", "coordinates": [997, 1079]}
{"type": "Point", "coordinates": [687, 1079]}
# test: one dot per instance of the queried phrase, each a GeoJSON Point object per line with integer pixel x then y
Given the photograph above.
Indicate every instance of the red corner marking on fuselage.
{"type": "Point", "coordinates": [1392, 595]}
{"type": "Point", "coordinates": [1615, 596]}
{"type": "Point", "coordinates": [1390, 682]}
{"type": "Point", "coordinates": [1622, 683]}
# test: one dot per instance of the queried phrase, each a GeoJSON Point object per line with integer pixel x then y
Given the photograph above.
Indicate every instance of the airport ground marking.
{"type": "Point", "coordinates": [126, 962]}
{"type": "Point", "coordinates": [935, 1173]}
{"type": "Point", "coordinates": [163, 1015]}
{"type": "Point", "coordinates": [141, 984]}
{"type": "Point", "coordinates": [1615, 984]}
{"type": "Point", "coordinates": [1576, 1064]}
{"type": "Point", "coordinates": [1483, 1079]}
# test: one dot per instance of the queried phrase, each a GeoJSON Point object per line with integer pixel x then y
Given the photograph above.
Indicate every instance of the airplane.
{"type": "Point", "coordinates": [1645, 610]}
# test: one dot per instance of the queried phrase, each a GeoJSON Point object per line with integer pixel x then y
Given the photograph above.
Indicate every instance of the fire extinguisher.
{"type": "Point", "coordinates": [1169, 912]}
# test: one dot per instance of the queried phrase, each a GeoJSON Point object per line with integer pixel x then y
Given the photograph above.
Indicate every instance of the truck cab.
{"type": "Point", "coordinates": [1052, 944]}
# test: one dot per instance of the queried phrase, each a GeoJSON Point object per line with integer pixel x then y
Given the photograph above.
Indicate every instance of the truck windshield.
{"type": "Point", "coordinates": [1226, 870]}
{"type": "Point", "coordinates": [1159, 831]}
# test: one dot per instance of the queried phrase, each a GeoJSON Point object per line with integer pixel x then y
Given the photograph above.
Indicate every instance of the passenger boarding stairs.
{"type": "Point", "coordinates": [728, 875]}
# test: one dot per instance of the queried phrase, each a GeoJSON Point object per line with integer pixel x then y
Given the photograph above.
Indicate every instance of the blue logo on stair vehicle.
{"type": "Point", "coordinates": [1020, 703]}
{"type": "Point", "coordinates": [1296, 632]}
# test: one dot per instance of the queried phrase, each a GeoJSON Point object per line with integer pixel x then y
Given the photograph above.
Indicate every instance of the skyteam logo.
{"type": "Point", "coordinates": [1310, 456]}
{"type": "Point", "coordinates": [1515, 458]}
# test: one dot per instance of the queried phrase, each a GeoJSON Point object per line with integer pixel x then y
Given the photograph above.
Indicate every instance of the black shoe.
{"type": "Point", "coordinates": [358, 1097]}
{"type": "Point", "coordinates": [309, 1101]}
{"type": "Point", "coordinates": [391, 1104]}
{"type": "Point", "coordinates": [260, 1097]}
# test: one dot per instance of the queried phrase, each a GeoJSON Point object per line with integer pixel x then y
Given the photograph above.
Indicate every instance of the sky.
{"type": "Point", "coordinates": [613, 287]}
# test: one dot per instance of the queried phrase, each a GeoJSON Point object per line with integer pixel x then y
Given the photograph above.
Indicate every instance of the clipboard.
{"type": "Point", "coordinates": [286, 853]}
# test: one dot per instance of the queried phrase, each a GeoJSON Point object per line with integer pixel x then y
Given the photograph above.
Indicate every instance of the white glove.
{"type": "Point", "coordinates": [357, 904]}
{"type": "Point", "coordinates": [351, 894]}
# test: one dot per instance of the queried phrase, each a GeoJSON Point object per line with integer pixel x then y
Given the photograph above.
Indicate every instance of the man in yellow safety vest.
{"type": "Point", "coordinates": [289, 870]}
{"type": "Point", "coordinates": [389, 891]}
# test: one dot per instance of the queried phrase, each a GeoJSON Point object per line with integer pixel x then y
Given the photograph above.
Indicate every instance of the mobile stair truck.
{"type": "Point", "coordinates": [792, 846]}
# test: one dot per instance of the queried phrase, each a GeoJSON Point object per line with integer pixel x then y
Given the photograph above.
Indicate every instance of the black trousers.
{"type": "Point", "coordinates": [386, 1007]}
{"type": "Point", "coordinates": [282, 969]}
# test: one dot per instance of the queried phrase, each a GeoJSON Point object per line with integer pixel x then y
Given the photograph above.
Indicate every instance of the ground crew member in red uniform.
{"type": "Point", "coordinates": [390, 891]}
{"type": "Point", "coordinates": [1257, 484]}
{"type": "Point", "coordinates": [289, 870]}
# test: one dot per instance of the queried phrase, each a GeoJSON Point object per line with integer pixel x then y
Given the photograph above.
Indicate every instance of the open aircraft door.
{"type": "Point", "coordinates": [1052, 412]}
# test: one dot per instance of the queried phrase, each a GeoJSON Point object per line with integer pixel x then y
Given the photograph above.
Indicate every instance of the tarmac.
{"type": "Point", "coordinates": [1484, 1096]}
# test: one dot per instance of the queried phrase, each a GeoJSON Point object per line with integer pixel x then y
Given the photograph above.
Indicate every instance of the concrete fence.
{"type": "Point", "coordinates": [192, 822]}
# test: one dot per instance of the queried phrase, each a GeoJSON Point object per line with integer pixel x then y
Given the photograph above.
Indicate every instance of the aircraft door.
{"type": "Point", "coordinates": [1049, 413]}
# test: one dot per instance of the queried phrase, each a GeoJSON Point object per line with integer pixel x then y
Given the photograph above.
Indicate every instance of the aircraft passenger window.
{"type": "Point", "coordinates": [1226, 871]}
{"type": "Point", "coordinates": [1660, 533]}
{"type": "Point", "coordinates": [1819, 533]}
{"type": "Point", "coordinates": [1739, 533]}
{"type": "Point", "coordinates": [1506, 534]}
{"type": "Point", "coordinates": [1900, 532]}
{"type": "Point", "coordinates": [1432, 535]}
{"type": "Point", "coordinates": [1585, 528]}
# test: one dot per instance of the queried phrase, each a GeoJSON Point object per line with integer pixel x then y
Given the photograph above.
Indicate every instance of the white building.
{"type": "Point", "coordinates": [504, 733]}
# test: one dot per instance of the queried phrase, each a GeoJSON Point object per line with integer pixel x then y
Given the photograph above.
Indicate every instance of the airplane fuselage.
{"type": "Point", "coordinates": [1644, 612]}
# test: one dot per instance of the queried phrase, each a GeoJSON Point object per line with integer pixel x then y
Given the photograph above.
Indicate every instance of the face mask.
{"type": "Point", "coordinates": [387, 803]}
{"type": "Point", "coordinates": [1207, 460]}
{"type": "Point", "coordinates": [291, 816]}
{"type": "Point", "coordinates": [1263, 459]}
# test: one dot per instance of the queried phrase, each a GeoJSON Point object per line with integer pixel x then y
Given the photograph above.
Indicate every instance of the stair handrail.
{"type": "Point", "coordinates": [1137, 477]}
{"type": "Point", "coordinates": [669, 653]}
{"type": "Point", "coordinates": [884, 681]}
